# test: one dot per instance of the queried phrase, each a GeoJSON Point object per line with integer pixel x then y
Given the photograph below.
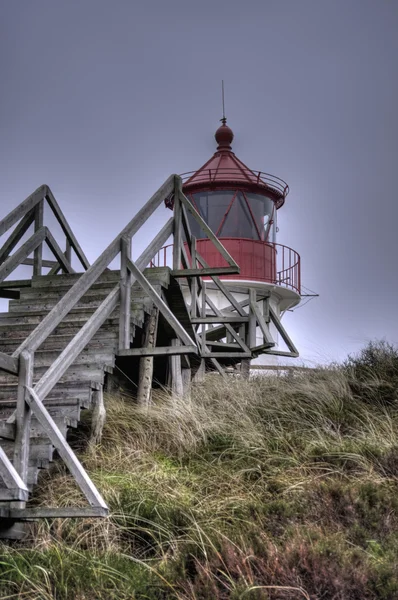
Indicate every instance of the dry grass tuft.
{"type": "Point", "coordinates": [273, 488]}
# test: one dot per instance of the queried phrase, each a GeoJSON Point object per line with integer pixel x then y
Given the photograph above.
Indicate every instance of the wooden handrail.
{"type": "Point", "coordinates": [73, 295]}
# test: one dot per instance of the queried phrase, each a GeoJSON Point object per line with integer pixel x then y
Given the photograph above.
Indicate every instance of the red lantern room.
{"type": "Point", "coordinates": [240, 205]}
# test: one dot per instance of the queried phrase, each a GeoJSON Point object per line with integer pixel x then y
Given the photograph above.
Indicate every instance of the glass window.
{"type": "Point", "coordinates": [233, 213]}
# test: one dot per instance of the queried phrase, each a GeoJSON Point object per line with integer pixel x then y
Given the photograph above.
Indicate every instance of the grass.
{"type": "Point", "coordinates": [273, 488]}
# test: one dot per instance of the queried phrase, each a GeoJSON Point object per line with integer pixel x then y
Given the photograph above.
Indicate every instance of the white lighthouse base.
{"type": "Point", "coordinates": [281, 299]}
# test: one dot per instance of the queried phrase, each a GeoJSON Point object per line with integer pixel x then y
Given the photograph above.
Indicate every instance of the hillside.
{"type": "Point", "coordinates": [273, 488]}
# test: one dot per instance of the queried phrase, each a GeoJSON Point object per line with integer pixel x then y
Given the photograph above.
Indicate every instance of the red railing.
{"type": "Point", "coordinates": [258, 261]}
{"type": "Point", "coordinates": [237, 175]}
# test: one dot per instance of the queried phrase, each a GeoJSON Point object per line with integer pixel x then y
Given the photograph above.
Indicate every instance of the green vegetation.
{"type": "Point", "coordinates": [273, 488]}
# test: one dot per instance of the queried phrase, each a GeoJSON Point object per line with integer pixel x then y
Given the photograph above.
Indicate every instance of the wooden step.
{"type": "Point", "coordinates": [78, 390]}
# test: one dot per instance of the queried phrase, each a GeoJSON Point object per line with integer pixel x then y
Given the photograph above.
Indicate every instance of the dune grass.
{"type": "Point", "coordinates": [273, 488]}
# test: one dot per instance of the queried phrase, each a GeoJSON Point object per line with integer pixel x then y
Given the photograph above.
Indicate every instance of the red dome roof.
{"type": "Point", "coordinates": [225, 169]}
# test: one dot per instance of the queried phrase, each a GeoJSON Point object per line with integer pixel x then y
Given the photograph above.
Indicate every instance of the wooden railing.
{"type": "Point", "coordinates": [31, 211]}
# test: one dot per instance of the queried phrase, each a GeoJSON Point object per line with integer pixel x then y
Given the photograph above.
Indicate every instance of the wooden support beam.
{"type": "Point", "coordinates": [218, 367]}
{"type": "Point", "coordinates": [219, 320]}
{"type": "Point", "coordinates": [159, 351]}
{"type": "Point", "coordinates": [71, 239]}
{"type": "Point", "coordinates": [282, 353]}
{"type": "Point", "coordinates": [176, 373]}
{"type": "Point", "coordinates": [53, 433]}
{"type": "Point", "coordinates": [67, 512]}
{"type": "Point", "coordinates": [203, 272]}
{"type": "Point", "coordinates": [125, 294]}
{"type": "Point", "coordinates": [38, 253]}
{"type": "Point", "coordinates": [8, 363]}
{"type": "Point", "coordinates": [145, 375]}
{"type": "Point", "coordinates": [45, 263]}
{"type": "Point", "coordinates": [16, 235]}
{"type": "Point", "coordinates": [20, 211]}
{"type": "Point", "coordinates": [21, 253]}
{"type": "Point", "coordinates": [56, 250]}
{"type": "Point", "coordinates": [251, 336]}
{"type": "Point", "coordinates": [23, 416]}
{"type": "Point", "coordinates": [15, 284]}
{"type": "Point", "coordinates": [208, 354]}
{"type": "Point", "coordinates": [261, 323]}
{"type": "Point", "coordinates": [9, 474]}
{"type": "Point", "coordinates": [160, 304]}
{"type": "Point", "coordinates": [282, 331]}
{"type": "Point", "coordinates": [229, 329]}
{"type": "Point", "coordinates": [222, 287]}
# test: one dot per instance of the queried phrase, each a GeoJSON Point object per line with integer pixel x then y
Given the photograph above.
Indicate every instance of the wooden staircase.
{"type": "Point", "coordinates": [83, 381]}
{"type": "Point", "coordinates": [64, 333]}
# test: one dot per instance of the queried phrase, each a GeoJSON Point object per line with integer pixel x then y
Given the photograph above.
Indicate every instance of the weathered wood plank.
{"type": "Point", "coordinates": [58, 513]}
{"type": "Point", "coordinates": [8, 363]}
{"type": "Point", "coordinates": [23, 252]}
{"type": "Point", "coordinates": [64, 450]}
{"type": "Point", "coordinates": [159, 351]}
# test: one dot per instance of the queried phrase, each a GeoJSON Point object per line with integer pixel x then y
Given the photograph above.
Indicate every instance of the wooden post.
{"type": "Point", "coordinates": [144, 392]}
{"type": "Point", "coordinates": [125, 294]}
{"type": "Point", "coordinates": [252, 320]}
{"type": "Point", "coordinates": [23, 416]}
{"type": "Point", "coordinates": [200, 373]}
{"type": "Point", "coordinates": [177, 226]}
{"type": "Point", "coordinates": [176, 374]}
{"type": "Point", "coordinates": [38, 253]}
{"type": "Point", "coordinates": [68, 251]}
{"type": "Point", "coordinates": [186, 383]}
{"type": "Point", "coordinates": [98, 417]}
{"type": "Point", "coordinates": [203, 315]}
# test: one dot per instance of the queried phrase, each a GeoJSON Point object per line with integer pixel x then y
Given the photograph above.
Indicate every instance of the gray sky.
{"type": "Point", "coordinates": [103, 100]}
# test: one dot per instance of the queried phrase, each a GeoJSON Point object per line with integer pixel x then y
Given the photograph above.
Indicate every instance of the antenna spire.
{"type": "Point", "coordinates": [224, 119]}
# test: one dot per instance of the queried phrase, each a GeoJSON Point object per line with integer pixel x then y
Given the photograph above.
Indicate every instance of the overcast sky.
{"type": "Point", "coordinates": [103, 100]}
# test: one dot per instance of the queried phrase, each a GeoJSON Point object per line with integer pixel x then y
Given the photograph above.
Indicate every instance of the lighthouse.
{"type": "Point", "coordinates": [241, 207]}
